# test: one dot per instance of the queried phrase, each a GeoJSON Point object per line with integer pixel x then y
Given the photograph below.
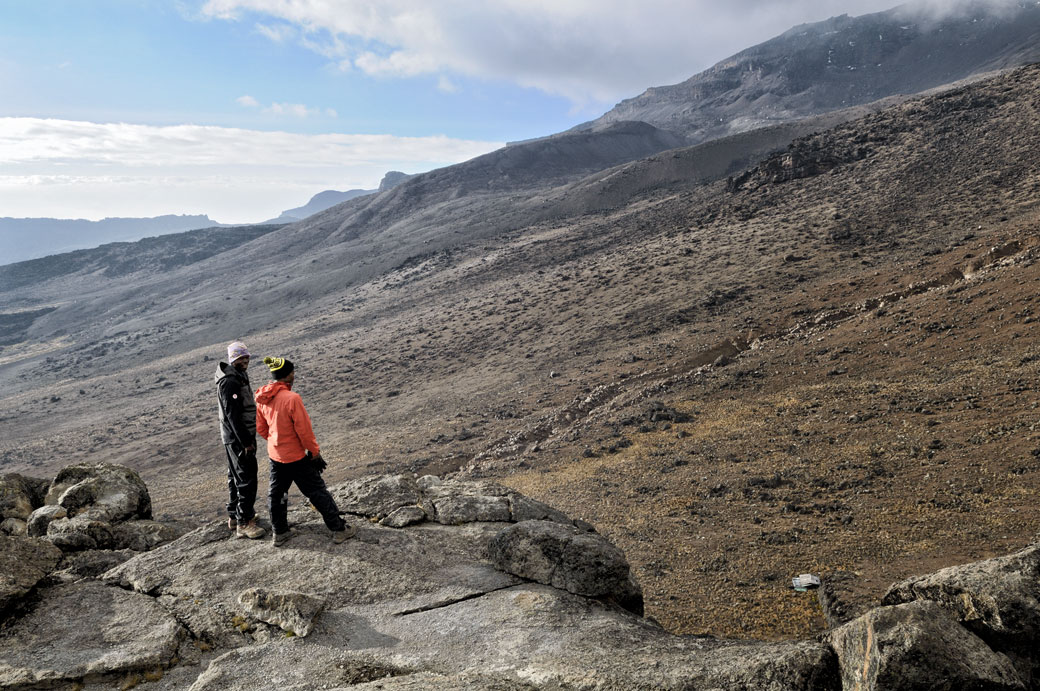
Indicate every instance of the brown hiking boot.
{"type": "Point", "coordinates": [250, 530]}
{"type": "Point", "coordinates": [339, 536]}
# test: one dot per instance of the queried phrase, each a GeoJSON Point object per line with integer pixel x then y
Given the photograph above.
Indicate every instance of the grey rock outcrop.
{"type": "Point", "coordinates": [102, 491]}
{"type": "Point", "coordinates": [564, 557]}
{"type": "Point", "coordinates": [914, 646]}
{"type": "Point", "coordinates": [98, 506]}
{"type": "Point", "coordinates": [86, 631]}
{"type": "Point", "coordinates": [425, 607]}
{"type": "Point", "coordinates": [997, 599]}
{"type": "Point", "coordinates": [24, 562]}
{"type": "Point", "coordinates": [475, 595]}
{"type": "Point", "coordinates": [291, 612]}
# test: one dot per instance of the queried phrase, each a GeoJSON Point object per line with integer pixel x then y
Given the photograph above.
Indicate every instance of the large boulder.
{"type": "Point", "coordinates": [101, 491]}
{"type": "Point", "coordinates": [24, 562]}
{"type": "Point", "coordinates": [917, 646]}
{"type": "Point", "coordinates": [564, 557]}
{"type": "Point", "coordinates": [997, 599]}
{"type": "Point", "coordinates": [86, 631]}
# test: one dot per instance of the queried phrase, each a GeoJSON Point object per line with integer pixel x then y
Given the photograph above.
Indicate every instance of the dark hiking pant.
{"type": "Point", "coordinates": [241, 482]}
{"type": "Point", "coordinates": [311, 484]}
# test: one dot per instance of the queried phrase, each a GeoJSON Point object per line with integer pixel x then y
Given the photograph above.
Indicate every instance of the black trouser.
{"type": "Point", "coordinates": [241, 482]}
{"type": "Point", "coordinates": [310, 483]}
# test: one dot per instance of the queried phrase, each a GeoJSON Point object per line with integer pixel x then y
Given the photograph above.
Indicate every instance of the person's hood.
{"type": "Point", "coordinates": [226, 370]}
{"type": "Point", "coordinates": [266, 393]}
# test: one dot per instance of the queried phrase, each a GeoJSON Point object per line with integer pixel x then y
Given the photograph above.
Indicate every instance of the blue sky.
{"type": "Point", "coordinates": [243, 108]}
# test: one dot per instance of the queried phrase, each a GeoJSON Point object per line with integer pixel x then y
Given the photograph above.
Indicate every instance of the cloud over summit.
{"type": "Point", "coordinates": [584, 50]}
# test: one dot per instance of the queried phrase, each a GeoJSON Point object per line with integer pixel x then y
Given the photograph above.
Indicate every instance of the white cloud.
{"type": "Point", "coordinates": [585, 50]}
{"type": "Point", "coordinates": [292, 109]}
{"type": "Point", "coordinates": [71, 169]}
{"type": "Point", "coordinates": [279, 33]}
{"type": "Point", "coordinates": [446, 85]}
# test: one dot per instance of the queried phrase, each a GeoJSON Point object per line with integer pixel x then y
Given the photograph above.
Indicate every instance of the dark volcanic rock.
{"type": "Point", "coordinates": [918, 646]}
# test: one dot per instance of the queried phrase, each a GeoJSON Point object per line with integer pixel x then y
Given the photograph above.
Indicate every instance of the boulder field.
{"type": "Point", "coordinates": [447, 585]}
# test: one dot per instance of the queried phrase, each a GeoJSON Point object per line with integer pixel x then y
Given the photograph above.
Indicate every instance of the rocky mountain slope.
{"type": "Point", "coordinates": [820, 364]}
{"type": "Point", "coordinates": [838, 63]}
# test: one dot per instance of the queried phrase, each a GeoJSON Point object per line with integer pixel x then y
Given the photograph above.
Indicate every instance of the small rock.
{"type": "Point", "coordinates": [13, 526]}
{"type": "Point", "coordinates": [42, 517]}
{"type": "Point", "coordinates": [404, 516]}
{"type": "Point", "coordinates": [293, 612]}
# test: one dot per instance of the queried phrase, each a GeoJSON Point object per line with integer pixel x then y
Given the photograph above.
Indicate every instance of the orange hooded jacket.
{"type": "Point", "coordinates": [282, 420]}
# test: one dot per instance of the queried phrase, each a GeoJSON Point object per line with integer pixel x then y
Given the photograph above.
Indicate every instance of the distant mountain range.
{"type": "Point", "coordinates": [32, 238]}
{"type": "Point", "coordinates": [29, 238]}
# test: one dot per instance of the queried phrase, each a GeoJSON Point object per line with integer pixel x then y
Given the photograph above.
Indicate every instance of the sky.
{"type": "Point", "coordinates": [240, 109]}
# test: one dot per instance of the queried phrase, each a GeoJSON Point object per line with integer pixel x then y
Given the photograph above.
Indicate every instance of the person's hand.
{"type": "Point", "coordinates": [319, 463]}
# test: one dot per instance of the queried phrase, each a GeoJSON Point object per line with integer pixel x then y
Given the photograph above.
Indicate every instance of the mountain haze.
{"type": "Point", "coordinates": [802, 347]}
{"type": "Point", "coordinates": [29, 238]}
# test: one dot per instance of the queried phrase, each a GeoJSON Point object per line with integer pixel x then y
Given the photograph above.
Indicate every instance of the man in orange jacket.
{"type": "Point", "coordinates": [282, 420]}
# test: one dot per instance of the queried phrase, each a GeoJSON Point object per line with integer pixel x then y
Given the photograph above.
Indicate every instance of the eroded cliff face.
{"type": "Point", "coordinates": [452, 584]}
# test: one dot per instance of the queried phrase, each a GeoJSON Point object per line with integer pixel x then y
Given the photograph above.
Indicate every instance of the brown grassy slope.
{"type": "Point", "coordinates": [460, 352]}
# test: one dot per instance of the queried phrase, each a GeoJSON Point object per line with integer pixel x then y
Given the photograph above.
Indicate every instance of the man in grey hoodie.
{"type": "Point", "coordinates": [237, 411]}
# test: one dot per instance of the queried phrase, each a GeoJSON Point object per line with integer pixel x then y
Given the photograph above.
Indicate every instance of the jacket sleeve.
{"type": "Point", "coordinates": [302, 425]}
{"type": "Point", "coordinates": [261, 424]}
{"type": "Point", "coordinates": [232, 408]}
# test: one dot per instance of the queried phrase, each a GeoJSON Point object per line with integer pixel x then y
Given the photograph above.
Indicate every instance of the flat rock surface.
{"type": "Point", "coordinates": [86, 630]}
{"type": "Point", "coordinates": [425, 600]}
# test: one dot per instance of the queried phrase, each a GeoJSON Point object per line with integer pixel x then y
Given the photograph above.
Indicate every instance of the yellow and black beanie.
{"type": "Point", "coordinates": [280, 367]}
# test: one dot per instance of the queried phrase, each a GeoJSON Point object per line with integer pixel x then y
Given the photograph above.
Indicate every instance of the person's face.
{"type": "Point", "coordinates": [242, 363]}
{"type": "Point", "coordinates": [291, 378]}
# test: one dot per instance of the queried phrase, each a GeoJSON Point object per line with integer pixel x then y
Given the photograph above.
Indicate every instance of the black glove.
{"type": "Point", "coordinates": [319, 464]}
